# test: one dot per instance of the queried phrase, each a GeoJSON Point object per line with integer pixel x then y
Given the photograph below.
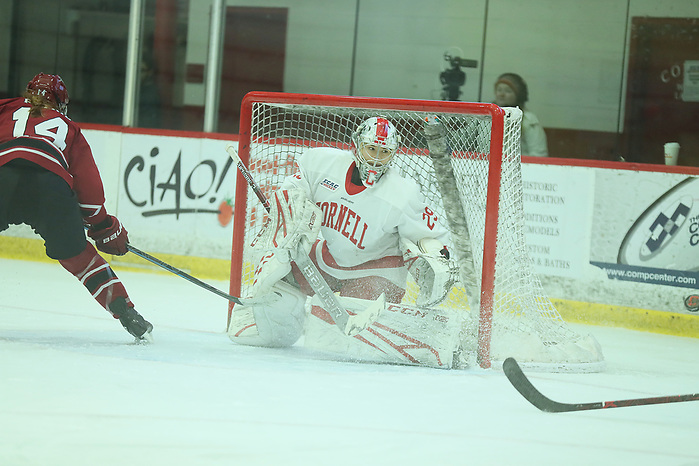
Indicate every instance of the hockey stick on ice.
{"type": "Point", "coordinates": [350, 324]}
{"type": "Point", "coordinates": [196, 281]}
{"type": "Point", "coordinates": [531, 394]}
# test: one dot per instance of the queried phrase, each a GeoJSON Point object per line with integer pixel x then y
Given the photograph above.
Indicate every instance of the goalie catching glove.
{"type": "Point", "coordinates": [293, 220]}
{"type": "Point", "coordinates": [428, 263]}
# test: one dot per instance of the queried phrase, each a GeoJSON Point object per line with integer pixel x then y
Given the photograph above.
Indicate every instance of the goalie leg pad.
{"type": "Point", "coordinates": [401, 335]}
{"type": "Point", "coordinates": [275, 325]}
{"type": "Point", "coordinates": [271, 269]}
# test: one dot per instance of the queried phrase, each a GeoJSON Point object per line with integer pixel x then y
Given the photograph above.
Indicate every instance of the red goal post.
{"type": "Point", "coordinates": [483, 147]}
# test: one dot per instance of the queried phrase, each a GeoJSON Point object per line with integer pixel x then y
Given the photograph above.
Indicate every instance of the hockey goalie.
{"type": "Point", "coordinates": [375, 228]}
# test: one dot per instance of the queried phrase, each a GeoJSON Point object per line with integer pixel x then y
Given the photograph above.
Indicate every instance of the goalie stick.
{"type": "Point", "coordinates": [531, 394]}
{"type": "Point", "coordinates": [196, 281]}
{"type": "Point", "coordinates": [440, 154]}
{"type": "Point", "coordinates": [350, 324]}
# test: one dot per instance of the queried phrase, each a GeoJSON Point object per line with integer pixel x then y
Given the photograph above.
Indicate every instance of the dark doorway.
{"type": "Point", "coordinates": [253, 58]}
{"type": "Point", "coordinates": [662, 97]}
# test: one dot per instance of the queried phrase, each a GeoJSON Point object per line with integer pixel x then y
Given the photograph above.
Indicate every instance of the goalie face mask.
{"type": "Point", "coordinates": [374, 145]}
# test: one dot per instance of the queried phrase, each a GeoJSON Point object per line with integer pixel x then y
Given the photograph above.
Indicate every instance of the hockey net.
{"type": "Point", "coordinates": [508, 312]}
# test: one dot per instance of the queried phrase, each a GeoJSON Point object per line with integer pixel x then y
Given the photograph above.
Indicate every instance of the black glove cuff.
{"type": "Point", "coordinates": [103, 225]}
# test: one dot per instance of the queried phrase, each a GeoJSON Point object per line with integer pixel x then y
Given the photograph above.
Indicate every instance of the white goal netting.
{"type": "Point", "coordinates": [515, 317]}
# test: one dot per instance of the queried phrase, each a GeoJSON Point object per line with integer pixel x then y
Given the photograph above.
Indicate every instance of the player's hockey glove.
{"type": "Point", "coordinates": [110, 236]}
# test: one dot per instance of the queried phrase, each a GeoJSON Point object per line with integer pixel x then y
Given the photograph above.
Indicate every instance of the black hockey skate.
{"type": "Point", "coordinates": [132, 321]}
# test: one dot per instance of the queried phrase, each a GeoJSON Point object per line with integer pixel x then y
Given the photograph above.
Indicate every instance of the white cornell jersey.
{"type": "Point", "coordinates": [361, 224]}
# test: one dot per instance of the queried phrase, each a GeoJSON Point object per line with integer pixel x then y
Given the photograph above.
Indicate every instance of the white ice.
{"type": "Point", "coordinates": [76, 391]}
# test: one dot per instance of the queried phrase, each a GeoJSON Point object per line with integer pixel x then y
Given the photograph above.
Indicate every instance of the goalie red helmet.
{"type": "Point", "coordinates": [52, 88]}
{"type": "Point", "coordinates": [374, 145]}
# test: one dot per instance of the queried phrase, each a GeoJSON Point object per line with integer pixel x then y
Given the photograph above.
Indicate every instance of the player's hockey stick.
{"type": "Point", "coordinates": [531, 394]}
{"type": "Point", "coordinates": [350, 324]}
{"type": "Point", "coordinates": [196, 281]}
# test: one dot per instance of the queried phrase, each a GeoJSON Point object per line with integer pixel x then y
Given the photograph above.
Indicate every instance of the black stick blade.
{"type": "Point", "coordinates": [531, 394]}
{"type": "Point", "coordinates": [528, 391]}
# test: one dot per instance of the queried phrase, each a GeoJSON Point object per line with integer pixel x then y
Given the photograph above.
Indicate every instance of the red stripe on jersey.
{"type": "Point", "coordinates": [350, 187]}
{"type": "Point", "coordinates": [388, 262]}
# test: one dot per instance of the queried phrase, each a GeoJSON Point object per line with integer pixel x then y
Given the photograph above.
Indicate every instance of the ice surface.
{"type": "Point", "coordinates": [75, 391]}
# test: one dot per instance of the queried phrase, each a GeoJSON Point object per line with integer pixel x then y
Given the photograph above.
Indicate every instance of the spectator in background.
{"type": "Point", "coordinates": [511, 91]}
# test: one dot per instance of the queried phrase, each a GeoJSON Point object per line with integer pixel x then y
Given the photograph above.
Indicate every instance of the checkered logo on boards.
{"type": "Point", "coordinates": [664, 235]}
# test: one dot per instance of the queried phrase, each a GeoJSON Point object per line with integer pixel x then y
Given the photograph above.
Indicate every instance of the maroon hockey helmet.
{"type": "Point", "coordinates": [52, 87]}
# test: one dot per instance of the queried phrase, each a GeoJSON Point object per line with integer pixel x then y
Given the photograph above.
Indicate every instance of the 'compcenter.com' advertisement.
{"type": "Point", "coordinates": [644, 228]}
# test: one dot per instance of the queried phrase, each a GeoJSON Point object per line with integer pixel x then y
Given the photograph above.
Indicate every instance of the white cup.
{"type": "Point", "coordinates": [672, 151]}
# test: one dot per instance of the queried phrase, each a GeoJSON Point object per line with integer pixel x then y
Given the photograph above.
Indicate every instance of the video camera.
{"type": "Point", "coordinates": [458, 61]}
{"type": "Point", "coordinates": [453, 78]}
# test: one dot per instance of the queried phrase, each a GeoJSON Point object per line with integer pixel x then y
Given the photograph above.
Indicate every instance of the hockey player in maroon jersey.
{"type": "Point", "coordinates": [49, 180]}
{"type": "Point", "coordinates": [376, 228]}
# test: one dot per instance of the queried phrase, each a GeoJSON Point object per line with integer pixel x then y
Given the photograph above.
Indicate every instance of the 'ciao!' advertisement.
{"type": "Point", "coordinates": [176, 194]}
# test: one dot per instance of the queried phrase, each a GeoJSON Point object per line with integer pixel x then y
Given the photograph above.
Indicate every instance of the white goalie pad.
{"type": "Point", "coordinates": [401, 335]}
{"type": "Point", "coordinates": [275, 325]}
{"type": "Point", "coordinates": [434, 274]}
{"type": "Point", "coordinates": [272, 267]}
